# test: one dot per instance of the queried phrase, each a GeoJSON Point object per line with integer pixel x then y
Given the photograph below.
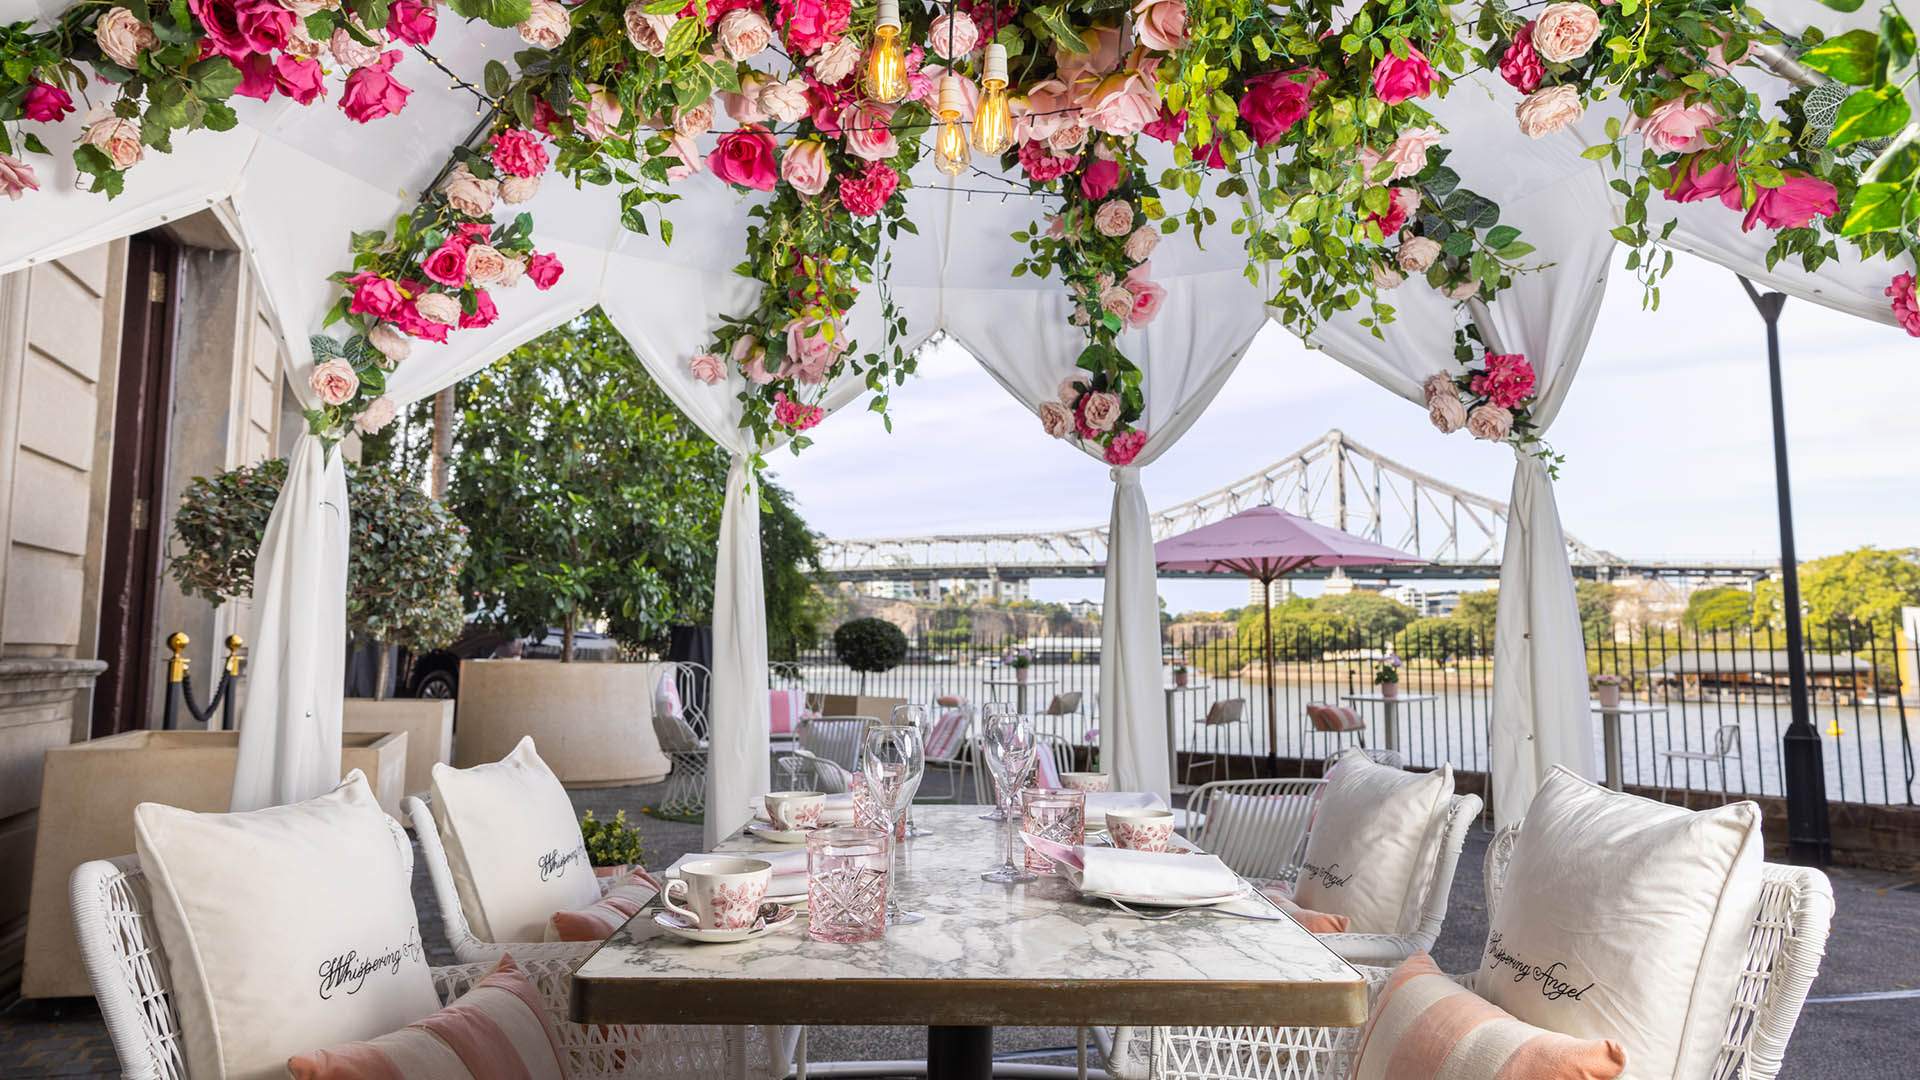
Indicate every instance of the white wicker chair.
{"type": "Point", "coordinates": [1784, 946]}
{"type": "Point", "coordinates": [1392, 759]}
{"type": "Point", "coordinates": [596, 1049]}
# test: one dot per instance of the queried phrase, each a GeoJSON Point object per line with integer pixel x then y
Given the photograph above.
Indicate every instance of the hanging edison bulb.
{"type": "Point", "coordinates": [886, 79]}
{"type": "Point", "coordinates": [950, 153]}
{"type": "Point", "coordinates": [993, 119]}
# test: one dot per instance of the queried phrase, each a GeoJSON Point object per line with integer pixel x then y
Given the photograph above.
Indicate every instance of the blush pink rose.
{"type": "Point", "coordinates": [1674, 127]}
{"type": "Point", "coordinates": [744, 157]}
{"type": "Point", "coordinates": [350, 53]}
{"type": "Point", "coordinates": [333, 382]}
{"type": "Point", "coordinates": [752, 359]}
{"type": "Point", "coordinates": [1045, 108]}
{"type": "Point", "coordinates": [953, 35]}
{"type": "Point", "coordinates": [46, 103]}
{"type": "Point", "coordinates": [1125, 447]}
{"type": "Point", "coordinates": [1124, 104]}
{"type": "Point", "coordinates": [123, 37]}
{"type": "Point", "coordinates": [438, 308]}
{"type": "Point", "coordinates": [1489, 422]}
{"type": "Point", "coordinates": [546, 25]}
{"type": "Point", "coordinates": [865, 127]}
{"type": "Point", "coordinates": [391, 344]}
{"type": "Point", "coordinates": [1520, 65]}
{"type": "Point", "coordinates": [376, 416]}
{"type": "Point", "coordinates": [686, 156]}
{"type": "Point", "coordinates": [544, 270]}
{"type": "Point", "coordinates": [1905, 307]}
{"type": "Point", "coordinates": [412, 21]}
{"type": "Point", "coordinates": [1056, 419]}
{"type": "Point", "coordinates": [1114, 218]}
{"type": "Point", "coordinates": [805, 166]}
{"type": "Point", "coordinates": [604, 113]}
{"type": "Point", "coordinates": [1274, 103]}
{"type": "Point", "coordinates": [812, 347]}
{"type": "Point", "coordinates": [1148, 296]}
{"type": "Point", "coordinates": [836, 61]}
{"type": "Point", "coordinates": [1385, 277]}
{"type": "Point", "coordinates": [1417, 253]}
{"type": "Point", "coordinates": [1446, 414]}
{"type": "Point", "coordinates": [372, 92]}
{"type": "Point", "coordinates": [1141, 242]}
{"type": "Point", "coordinates": [465, 192]}
{"type": "Point", "coordinates": [1397, 79]}
{"type": "Point", "coordinates": [1793, 204]}
{"type": "Point", "coordinates": [518, 189]}
{"type": "Point", "coordinates": [1116, 301]}
{"type": "Point", "coordinates": [648, 33]}
{"type": "Point", "coordinates": [744, 106]}
{"type": "Point", "coordinates": [784, 101]}
{"type": "Point", "coordinates": [1070, 389]}
{"type": "Point", "coordinates": [1439, 385]}
{"type": "Point", "coordinates": [486, 265]}
{"type": "Point", "coordinates": [117, 138]}
{"type": "Point", "coordinates": [16, 177]}
{"type": "Point", "coordinates": [695, 121]}
{"type": "Point", "coordinates": [1546, 111]}
{"type": "Point", "coordinates": [1100, 410]}
{"type": "Point", "coordinates": [1409, 152]}
{"type": "Point", "coordinates": [708, 368]}
{"type": "Point", "coordinates": [1565, 31]}
{"type": "Point", "coordinates": [1161, 24]}
{"type": "Point", "coordinates": [743, 34]}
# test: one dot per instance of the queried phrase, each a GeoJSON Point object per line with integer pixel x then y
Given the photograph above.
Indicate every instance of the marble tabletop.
{"type": "Point", "coordinates": [1025, 955]}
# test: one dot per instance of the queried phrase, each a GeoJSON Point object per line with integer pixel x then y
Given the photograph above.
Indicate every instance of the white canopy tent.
{"type": "Point", "coordinates": [297, 181]}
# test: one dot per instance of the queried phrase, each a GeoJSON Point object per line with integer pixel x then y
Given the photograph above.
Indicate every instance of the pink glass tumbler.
{"type": "Point", "coordinates": [1053, 814]}
{"type": "Point", "coordinates": [847, 875]}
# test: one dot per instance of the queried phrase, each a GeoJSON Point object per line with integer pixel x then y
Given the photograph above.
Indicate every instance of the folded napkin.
{"type": "Point", "coordinates": [837, 810]}
{"type": "Point", "coordinates": [789, 867]}
{"type": "Point", "coordinates": [1162, 875]}
{"type": "Point", "coordinates": [1099, 802]}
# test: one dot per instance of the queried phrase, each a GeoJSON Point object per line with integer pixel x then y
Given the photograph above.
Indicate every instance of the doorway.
{"type": "Point", "coordinates": [143, 413]}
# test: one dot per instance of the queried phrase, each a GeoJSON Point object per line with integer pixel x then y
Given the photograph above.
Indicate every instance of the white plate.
{"type": "Point", "coordinates": [766, 831]}
{"type": "Point", "coordinates": [1170, 902]}
{"type": "Point", "coordinates": [672, 924]}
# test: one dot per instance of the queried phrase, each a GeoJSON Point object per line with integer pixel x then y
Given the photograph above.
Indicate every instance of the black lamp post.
{"type": "Point", "coordinates": [1809, 840]}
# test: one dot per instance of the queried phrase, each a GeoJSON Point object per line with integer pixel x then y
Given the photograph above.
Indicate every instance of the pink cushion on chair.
{"type": "Point", "coordinates": [598, 921]}
{"type": "Point", "coordinates": [1046, 771]}
{"type": "Point", "coordinates": [945, 733]}
{"type": "Point", "coordinates": [785, 708]}
{"type": "Point", "coordinates": [1335, 718]}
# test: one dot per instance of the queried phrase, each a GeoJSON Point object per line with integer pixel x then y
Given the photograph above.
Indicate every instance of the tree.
{"type": "Point", "coordinates": [1477, 611]}
{"type": "Point", "coordinates": [1301, 631]}
{"type": "Point", "coordinates": [1595, 600]}
{"type": "Point", "coordinates": [1436, 638]}
{"type": "Point", "coordinates": [1378, 617]}
{"type": "Point", "coordinates": [789, 554]}
{"type": "Point", "coordinates": [1864, 587]}
{"type": "Point", "coordinates": [1711, 611]}
{"type": "Point", "coordinates": [869, 645]}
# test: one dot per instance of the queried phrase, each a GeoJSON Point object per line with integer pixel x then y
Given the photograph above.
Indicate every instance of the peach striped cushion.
{"type": "Point", "coordinates": [1425, 1024]}
{"type": "Point", "coordinates": [598, 921]}
{"type": "Point", "coordinates": [495, 1031]}
{"type": "Point", "coordinates": [1313, 922]}
{"type": "Point", "coordinates": [1334, 718]}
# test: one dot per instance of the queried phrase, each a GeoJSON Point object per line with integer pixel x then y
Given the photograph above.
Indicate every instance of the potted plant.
{"type": "Point", "coordinates": [1021, 661]}
{"type": "Point", "coordinates": [612, 846]}
{"type": "Point", "coordinates": [1180, 675]}
{"type": "Point", "coordinates": [1607, 689]}
{"type": "Point", "coordinates": [1386, 676]}
{"type": "Point", "coordinates": [869, 646]}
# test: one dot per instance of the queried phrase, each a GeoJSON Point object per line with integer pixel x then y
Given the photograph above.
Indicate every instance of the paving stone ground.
{"type": "Point", "coordinates": [1875, 948]}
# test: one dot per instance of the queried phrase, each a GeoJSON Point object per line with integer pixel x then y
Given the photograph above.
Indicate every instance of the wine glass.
{"type": "Point", "coordinates": [988, 711]}
{"type": "Point", "coordinates": [916, 717]}
{"type": "Point", "coordinates": [1010, 756]}
{"type": "Point", "coordinates": [892, 761]}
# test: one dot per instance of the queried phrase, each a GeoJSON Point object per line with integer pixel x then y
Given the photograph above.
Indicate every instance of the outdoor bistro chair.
{"type": "Point", "coordinates": [834, 738]}
{"type": "Point", "coordinates": [1726, 744]}
{"type": "Point", "coordinates": [1062, 716]}
{"type": "Point", "coordinates": [679, 724]}
{"type": "Point", "coordinates": [1220, 715]}
{"type": "Point", "coordinates": [1785, 942]}
{"type": "Point", "coordinates": [1337, 720]}
{"type": "Point", "coordinates": [949, 739]}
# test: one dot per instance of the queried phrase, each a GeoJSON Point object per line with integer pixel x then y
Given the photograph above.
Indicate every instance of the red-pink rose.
{"type": "Point", "coordinates": [256, 77]}
{"type": "Point", "coordinates": [301, 80]}
{"type": "Point", "coordinates": [374, 295]}
{"type": "Point", "coordinates": [1043, 164]}
{"type": "Point", "coordinates": [1691, 185]}
{"type": "Point", "coordinates": [1397, 79]}
{"type": "Point", "coordinates": [409, 319]}
{"type": "Point", "coordinates": [1791, 205]}
{"type": "Point", "coordinates": [518, 153]}
{"type": "Point", "coordinates": [1401, 204]}
{"type": "Point", "coordinates": [1905, 308]}
{"type": "Point", "coordinates": [237, 29]}
{"type": "Point", "coordinates": [810, 24]}
{"type": "Point", "coordinates": [1274, 103]}
{"type": "Point", "coordinates": [483, 312]}
{"type": "Point", "coordinates": [448, 263]}
{"type": "Point", "coordinates": [744, 157]}
{"type": "Point", "coordinates": [1520, 65]}
{"type": "Point", "coordinates": [46, 103]}
{"type": "Point", "coordinates": [866, 194]}
{"type": "Point", "coordinates": [372, 91]}
{"type": "Point", "coordinates": [543, 269]}
{"type": "Point", "coordinates": [1125, 447]}
{"type": "Point", "coordinates": [1100, 178]}
{"type": "Point", "coordinates": [1168, 126]}
{"type": "Point", "coordinates": [1148, 295]}
{"type": "Point", "coordinates": [1507, 381]}
{"type": "Point", "coordinates": [412, 21]}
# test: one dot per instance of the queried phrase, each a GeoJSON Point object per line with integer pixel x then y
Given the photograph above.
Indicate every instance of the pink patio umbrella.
{"type": "Point", "coordinates": [1266, 543]}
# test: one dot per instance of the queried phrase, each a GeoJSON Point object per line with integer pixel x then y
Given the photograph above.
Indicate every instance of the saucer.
{"type": "Point", "coordinates": [766, 831]}
{"type": "Point", "coordinates": [772, 917]}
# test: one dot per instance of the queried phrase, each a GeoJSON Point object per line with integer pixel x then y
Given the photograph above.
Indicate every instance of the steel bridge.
{"type": "Point", "coordinates": [1333, 480]}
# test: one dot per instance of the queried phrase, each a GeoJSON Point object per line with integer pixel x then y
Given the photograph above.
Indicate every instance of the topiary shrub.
{"type": "Point", "coordinates": [611, 843]}
{"type": "Point", "coordinates": [869, 645]}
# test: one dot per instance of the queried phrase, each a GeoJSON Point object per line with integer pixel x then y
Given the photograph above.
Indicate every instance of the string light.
{"type": "Point", "coordinates": [993, 120]}
{"type": "Point", "coordinates": [950, 153]}
{"type": "Point", "coordinates": [886, 79]}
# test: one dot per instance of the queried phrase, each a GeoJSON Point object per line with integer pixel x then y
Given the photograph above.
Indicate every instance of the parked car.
{"type": "Point", "coordinates": [437, 674]}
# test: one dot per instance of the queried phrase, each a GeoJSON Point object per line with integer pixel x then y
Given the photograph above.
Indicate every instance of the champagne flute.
{"type": "Point", "coordinates": [916, 717]}
{"type": "Point", "coordinates": [988, 711]}
{"type": "Point", "coordinates": [1010, 754]}
{"type": "Point", "coordinates": [892, 761]}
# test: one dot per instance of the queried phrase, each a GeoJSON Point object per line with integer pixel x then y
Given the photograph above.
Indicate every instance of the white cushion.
{"type": "Point", "coordinates": [513, 844]}
{"type": "Point", "coordinates": [1623, 918]}
{"type": "Point", "coordinates": [1371, 844]}
{"type": "Point", "coordinates": [285, 928]}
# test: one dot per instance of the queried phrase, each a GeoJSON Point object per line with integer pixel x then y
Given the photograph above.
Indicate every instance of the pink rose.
{"type": "Point", "coordinates": [1385, 277]}
{"type": "Point", "coordinates": [686, 153]}
{"type": "Point", "coordinates": [1402, 204]}
{"type": "Point", "coordinates": [391, 343]}
{"type": "Point", "coordinates": [1042, 165]}
{"type": "Point", "coordinates": [372, 91]}
{"type": "Point", "coordinates": [374, 295]}
{"type": "Point", "coordinates": [743, 34]}
{"type": "Point", "coordinates": [1905, 308]}
{"type": "Point", "coordinates": [812, 347]}
{"type": "Point", "coordinates": [1793, 204]}
{"type": "Point", "coordinates": [1167, 126]}
{"type": "Point", "coordinates": [334, 382]}
{"type": "Point", "coordinates": [695, 121]}
{"type": "Point", "coordinates": [16, 177]}
{"type": "Point", "coordinates": [1520, 64]}
{"type": "Point", "coordinates": [1544, 112]}
{"type": "Point", "coordinates": [46, 103]}
{"type": "Point", "coordinates": [1114, 218]}
{"type": "Point", "coordinates": [256, 77]}
{"type": "Point", "coordinates": [465, 192]}
{"type": "Point", "coordinates": [1099, 179]}
{"type": "Point", "coordinates": [518, 189]}
{"type": "Point", "coordinates": [805, 166]}
{"type": "Point", "coordinates": [447, 264]}
{"type": "Point", "coordinates": [648, 33]}
{"type": "Point", "coordinates": [603, 113]}
{"type": "Point", "coordinates": [350, 53]}
{"type": "Point", "coordinates": [1507, 380]}
{"type": "Point", "coordinates": [1565, 31]}
{"type": "Point", "coordinates": [544, 269]}
{"type": "Point", "coordinates": [437, 307]}
{"type": "Point", "coordinates": [1161, 24]}
{"type": "Point", "coordinates": [1397, 79]}
{"type": "Point", "coordinates": [1274, 103]}
{"type": "Point", "coordinates": [409, 319]}
{"type": "Point", "coordinates": [744, 157]}
{"type": "Point", "coordinates": [118, 139]}
{"type": "Point", "coordinates": [953, 35]}
{"type": "Point", "coordinates": [707, 368]}
{"type": "Point", "coordinates": [546, 25]}
{"type": "Point", "coordinates": [1046, 107]}
{"type": "Point", "coordinates": [1674, 127]}
{"type": "Point", "coordinates": [1116, 301]}
{"type": "Point", "coordinates": [1125, 447]}
{"type": "Point", "coordinates": [786, 101]}
{"type": "Point", "coordinates": [376, 416]}
{"type": "Point", "coordinates": [866, 194]}
{"type": "Point", "coordinates": [412, 21]}
{"type": "Point", "coordinates": [752, 358]}
{"type": "Point", "coordinates": [1068, 139]}
{"type": "Point", "coordinates": [1101, 58]}
{"type": "Point", "coordinates": [1489, 422]}
{"type": "Point", "coordinates": [1056, 419]}
{"type": "Point", "coordinates": [123, 37]}
{"type": "Point", "coordinates": [836, 61]}
{"type": "Point", "coordinates": [1141, 242]}
{"type": "Point", "coordinates": [1439, 385]}
{"type": "Point", "coordinates": [517, 152]}
{"type": "Point", "coordinates": [1148, 295]}
{"type": "Point", "coordinates": [1409, 152]}
{"type": "Point", "coordinates": [237, 29]}
{"type": "Point", "coordinates": [865, 127]}
{"type": "Point", "coordinates": [744, 106]}
{"type": "Point", "coordinates": [1417, 253]}
{"type": "Point", "coordinates": [1100, 410]}
{"type": "Point", "coordinates": [301, 80]}
{"type": "Point", "coordinates": [1124, 104]}
{"type": "Point", "coordinates": [793, 415]}
{"type": "Point", "coordinates": [809, 24]}
{"type": "Point", "coordinates": [485, 265]}
{"type": "Point", "coordinates": [1689, 184]}
{"type": "Point", "coordinates": [483, 313]}
{"type": "Point", "coordinates": [1070, 389]}
{"type": "Point", "coordinates": [1446, 414]}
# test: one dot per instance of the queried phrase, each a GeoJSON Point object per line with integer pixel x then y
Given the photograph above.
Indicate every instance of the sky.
{"type": "Point", "coordinates": [1666, 432]}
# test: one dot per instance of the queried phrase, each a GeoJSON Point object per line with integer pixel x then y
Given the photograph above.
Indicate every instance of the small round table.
{"type": "Point", "coordinates": [1610, 733]}
{"type": "Point", "coordinates": [1020, 689]}
{"type": "Point", "coordinates": [1389, 712]}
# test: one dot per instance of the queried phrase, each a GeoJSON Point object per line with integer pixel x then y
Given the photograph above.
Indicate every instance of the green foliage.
{"type": "Point", "coordinates": [1476, 612]}
{"type": "Point", "coordinates": [1720, 609]}
{"type": "Point", "coordinates": [403, 560]}
{"type": "Point", "coordinates": [1864, 586]}
{"type": "Point", "coordinates": [1596, 600]}
{"type": "Point", "coordinates": [611, 843]}
{"type": "Point", "coordinates": [869, 645]}
{"type": "Point", "coordinates": [1439, 638]}
{"type": "Point", "coordinates": [789, 554]}
{"type": "Point", "coordinates": [1375, 616]}
{"type": "Point", "coordinates": [1302, 630]}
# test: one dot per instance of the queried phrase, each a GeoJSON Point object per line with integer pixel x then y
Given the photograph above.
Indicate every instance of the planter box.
{"type": "Point", "coordinates": [429, 728]}
{"type": "Point", "coordinates": [87, 796]}
{"type": "Point", "coordinates": [592, 723]}
{"type": "Point", "coordinates": [878, 708]}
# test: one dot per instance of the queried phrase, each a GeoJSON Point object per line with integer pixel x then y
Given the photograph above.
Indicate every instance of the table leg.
{"type": "Point", "coordinates": [1390, 724]}
{"type": "Point", "coordinates": [1610, 738]}
{"type": "Point", "coordinates": [959, 1053]}
{"type": "Point", "coordinates": [1173, 749]}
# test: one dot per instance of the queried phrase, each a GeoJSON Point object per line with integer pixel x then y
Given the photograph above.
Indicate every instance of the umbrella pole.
{"type": "Point", "coordinates": [1273, 721]}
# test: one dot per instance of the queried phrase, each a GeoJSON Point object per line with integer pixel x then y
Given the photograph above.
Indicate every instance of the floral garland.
{"type": "Point", "coordinates": [1491, 397]}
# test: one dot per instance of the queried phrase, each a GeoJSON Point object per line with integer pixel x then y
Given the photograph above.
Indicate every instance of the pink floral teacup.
{"type": "Point", "coordinates": [721, 893]}
{"type": "Point", "coordinates": [1086, 781]}
{"type": "Point", "coordinates": [1140, 829]}
{"type": "Point", "coordinates": [789, 811]}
